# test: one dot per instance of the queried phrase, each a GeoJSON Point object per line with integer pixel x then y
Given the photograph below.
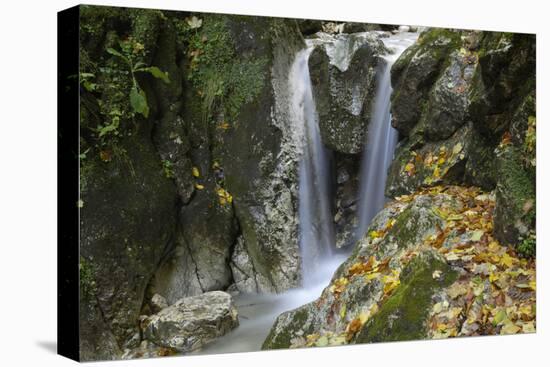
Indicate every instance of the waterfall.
{"type": "Point", "coordinates": [381, 138]}
{"type": "Point", "coordinates": [316, 233]}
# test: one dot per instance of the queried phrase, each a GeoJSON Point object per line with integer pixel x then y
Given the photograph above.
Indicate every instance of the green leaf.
{"type": "Point", "coordinates": [138, 100]}
{"type": "Point", "coordinates": [476, 235]}
{"type": "Point", "coordinates": [107, 129]}
{"type": "Point", "coordinates": [501, 316]}
{"type": "Point", "coordinates": [322, 341]}
{"type": "Point", "coordinates": [157, 73]}
{"type": "Point", "coordinates": [112, 51]}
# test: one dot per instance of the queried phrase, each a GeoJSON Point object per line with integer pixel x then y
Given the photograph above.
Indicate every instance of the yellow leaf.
{"type": "Point", "coordinates": [457, 148]}
{"type": "Point", "coordinates": [529, 327]}
{"type": "Point", "coordinates": [455, 217]}
{"type": "Point", "coordinates": [533, 285]}
{"type": "Point", "coordinates": [199, 186]}
{"type": "Point", "coordinates": [195, 172]}
{"type": "Point", "coordinates": [494, 246]}
{"type": "Point", "coordinates": [457, 289]}
{"type": "Point", "coordinates": [507, 260]}
{"type": "Point", "coordinates": [436, 173]}
{"type": "Point", "coordinates": [436, 274]}
{"type": "Point", "coordinates": [390, 283]}
{"type": "Point", "coordinates": [409, 168]}
{"type": "Point", "coordinates": [441, 161]}
{"type": "Point", "coordinates": [509, 328]}
{"type": "Point", "coordinates": [224, 126]}
{"type": "Point", "coordinates": [343, 311]}
{"type": "Point", "coordinates": [375, 234]}
{"type": "Point", "coordinates": [371, 276]}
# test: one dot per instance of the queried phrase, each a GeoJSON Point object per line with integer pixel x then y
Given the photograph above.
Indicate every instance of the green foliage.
{"type": "Point", "coordinates": [130, 52]}
{"type": "Point", "coordinates": [168, 168]}
{"type": "Point", "coordinates": [528, 246]}
{"type": "Point", "coordinates": [218, 74]}
{"type": "Point", "coordinates": [88, 286]}
{"type": "Point", "coordinates": [86, 81]}
{"type": "Point", "coordinates": [138, 101]}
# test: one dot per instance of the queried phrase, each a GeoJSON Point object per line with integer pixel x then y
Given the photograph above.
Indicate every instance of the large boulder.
{"type": "Point", "coordinates": [474, 91]}
{"type": "Point", "coordinates": [192, 322]}
{"type": "Point", "coordinates": [343, 75]}
{"type": "Point", "coordinates": [424, 270]}
{"type": "Point", "coordinates": [505, 74]}
{"type": "Point", "coordinates": [414, 74]}
{"type": "Point", "coordinates": [462, 158]}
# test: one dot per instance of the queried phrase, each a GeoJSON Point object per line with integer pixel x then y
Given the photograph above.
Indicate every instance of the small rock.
{"type": "Point", "coordinates": [192, 322]}
{"type": "Point", "coordinates": [158, 303]}
{"type": "Point", "coordinates": [403, 28]}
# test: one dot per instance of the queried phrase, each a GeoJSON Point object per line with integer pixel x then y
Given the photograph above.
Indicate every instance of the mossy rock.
{"type": "Point", "coordinates": [403, 315]}
{"type": "Point", "coordinates": [415, 72]}
{"type": "Point", "coordinates": [504, 75]}
{"type": "Point", "coordinates": [285, 328]}
{"type": "Point", "coordinates": [515, 208]}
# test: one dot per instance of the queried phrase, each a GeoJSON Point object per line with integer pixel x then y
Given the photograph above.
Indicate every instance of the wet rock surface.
{"type": "Point", "coordinates": [343, 74]}
{"type": "Point", "coordinates": [416, 274]}
{"type": "Point", "coordinates": [192, 322]}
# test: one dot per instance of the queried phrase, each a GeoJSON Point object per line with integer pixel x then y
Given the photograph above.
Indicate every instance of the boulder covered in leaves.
{"type": "Point", "coordinates": [192, 322]}
{"type": "Point", "coordinates": [428, 268]}
{"type": "Point", "coordinates": [459, 98]}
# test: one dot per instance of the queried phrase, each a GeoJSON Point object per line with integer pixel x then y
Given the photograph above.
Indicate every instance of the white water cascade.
{"type": "Point", "coordinates": [315, 219]}
{"type": "Point", "coordinates": [257, 312]}
{"type": "Point", "coordinates": [381, 138]}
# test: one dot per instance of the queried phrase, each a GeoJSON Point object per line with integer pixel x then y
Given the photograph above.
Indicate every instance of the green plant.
{"type": "Point", "coordinates": [88, 286]}
{"type": "Point", "coordinates": [168, 168]}
{"type": "Point", "coordinates": [130, 51]}
{"type": "Point", "coordinates": [86, 81]}
{"type": "Point", "coordinates": [528, 246]}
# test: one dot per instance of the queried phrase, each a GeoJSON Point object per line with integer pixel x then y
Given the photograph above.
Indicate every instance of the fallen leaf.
{"type": "Point", "coordinates": [457, 289]}
{"type": "Point", "coordinates": [410, 169]}
{"type": "Point", "coordinates": [509, 328]}
{"type": "Point", "coordinates": [457, 148]}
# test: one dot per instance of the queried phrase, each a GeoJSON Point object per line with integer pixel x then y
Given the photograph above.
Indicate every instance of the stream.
{"type": "Point", "coordinates": [257, 312]}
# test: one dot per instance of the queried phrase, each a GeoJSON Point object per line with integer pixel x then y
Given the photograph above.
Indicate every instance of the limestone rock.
{"type": "Point", "coordinates": [192, 322]}
{"type": "Point", "coordinates": [158, 303]}
{"type": "Point", "coordinates": [343, 75]}
{"type": "Point", "coordinates": [414, 73]}
{"type": "Point", "coordinates": [332, 312]}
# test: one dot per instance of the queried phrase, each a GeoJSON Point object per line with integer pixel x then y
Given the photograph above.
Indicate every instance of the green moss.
{"type": "Point", "coordinates": [403, 315]}
{"type": "Point", "coordinates": [528, 247]}
{"type": "Point", "coordinates": [218, 73]}
{"type": "Point", "coordinates": [283, 339]}
{"type": "Point", "coordinates": [88, 286]}
{"type": "Point", "coordinates": [410, 222]}
{"type": "Point", "coordinates": [515, 180]}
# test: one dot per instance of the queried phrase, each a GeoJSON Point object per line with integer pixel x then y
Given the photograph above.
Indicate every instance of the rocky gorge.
{"type": "Point", "coordinates": [221, 170]}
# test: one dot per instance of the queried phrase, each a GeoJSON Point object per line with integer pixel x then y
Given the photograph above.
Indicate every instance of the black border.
{"type": "Point", "coordinates": [68, 339]}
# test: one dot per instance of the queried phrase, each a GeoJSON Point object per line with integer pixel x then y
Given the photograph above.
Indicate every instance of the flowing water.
{"type": "Point", "coordinates": [257, 312]}
{"type": "Point", "coordinates": [381, 137]}
{"type": "Point", "coordinates": [315, 220]}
